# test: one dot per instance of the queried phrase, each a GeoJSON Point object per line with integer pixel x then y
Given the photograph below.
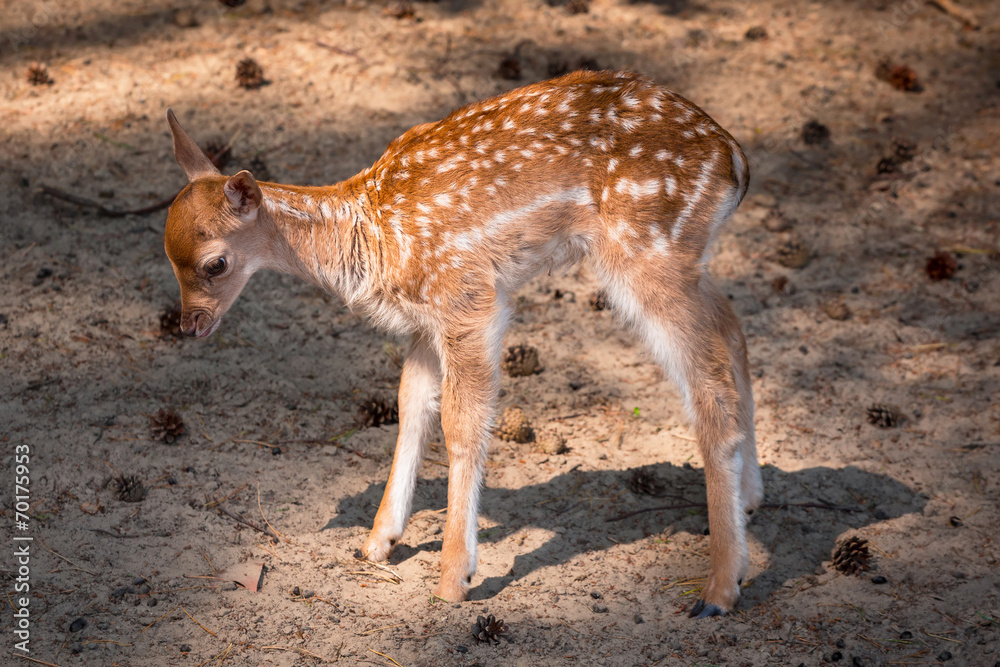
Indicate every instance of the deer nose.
{"type": "Point", "coordinates": [189, 323]}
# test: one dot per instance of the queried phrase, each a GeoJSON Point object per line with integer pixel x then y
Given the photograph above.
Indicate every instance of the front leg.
{"type": "Point", "coordinates": [471, 383]}
{"type": "Point", "coordinates": [419, 389]}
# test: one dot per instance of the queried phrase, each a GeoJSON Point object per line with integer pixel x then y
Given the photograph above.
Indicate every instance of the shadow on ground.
{"type": "Point", "coordinates": [798, 538]}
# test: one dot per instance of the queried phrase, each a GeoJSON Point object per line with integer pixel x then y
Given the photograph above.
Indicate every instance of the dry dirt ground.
{"type": "Point", "coordinates": [825, 263]}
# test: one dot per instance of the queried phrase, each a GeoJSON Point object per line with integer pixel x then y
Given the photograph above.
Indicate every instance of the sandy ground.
{"type": "Point", "coordinates": [269, 400]}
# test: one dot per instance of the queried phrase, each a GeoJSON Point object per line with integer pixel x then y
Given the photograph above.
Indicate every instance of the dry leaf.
{"type": "Point", "coordinates": [246, 575]}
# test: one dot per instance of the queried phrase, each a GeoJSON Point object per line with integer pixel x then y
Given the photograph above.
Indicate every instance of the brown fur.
{"type": "Point", "coordinates": [438, 234]}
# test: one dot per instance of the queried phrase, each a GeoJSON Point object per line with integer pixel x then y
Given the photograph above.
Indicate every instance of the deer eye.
{"type": "Point", "coordinates": [215, 267]}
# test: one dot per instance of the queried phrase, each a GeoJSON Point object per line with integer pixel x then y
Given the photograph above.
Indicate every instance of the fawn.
{"type": "Point", "coordinates": [436, 237]}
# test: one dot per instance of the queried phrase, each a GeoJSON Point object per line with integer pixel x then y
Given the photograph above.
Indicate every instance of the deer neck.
{"type": "Point", "coordinates": [320, 235]}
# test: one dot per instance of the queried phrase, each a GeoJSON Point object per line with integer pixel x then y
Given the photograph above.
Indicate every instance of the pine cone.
{"type": "Point", "coordinates": [899, 77]}
{"type": "Point", "coordinates": [219, 152]}
{"type": "Point", "coordinates": [598, 301]}
{"type": "Point", "coordinates": [488, 629]}
{"type": "Point", "coordinates": [644, 483]}
{"type": "Point", "coordinates": [510, 69]}
{"type": "Point", "coordinates": [166, 425]}
{"type": "Point", "coordinates": [793, 253]}
{"type": "Point", "coordinates": [815, 133]}
{"type": "Point", "coordinates": [520, 360]}
{"type": "Point", "coordinates": [376, 411]}
{"type": "Point", "coordinates": [551, 443]}
{"type": "Point", "coordinates": [884, 415]}
{"type": "Point", "coordinates": [903, 149]}
{"type": "Point", "coordinates": [38, 75]}
{"type": "Point", "coordinates": [514, 426]}
{"type": "Point", "coordinates": [249, 74]}
{"type": "Point", "coordinates": [886, 165]}
{"type": "Point", "coordinates": [571, 6]}
{"type": "Point", "coordinates": [941, 266]}
{"type": "Point", "coordinates": [400, 10]}
{"type": "Point", "coordinates": [852, 556]}
{"type": "Point", "coordinates": [170, 321]}
{"type": "Point", "coordinates": [259, 169]}
{"type": "Point", "coordinates": [129, 489]}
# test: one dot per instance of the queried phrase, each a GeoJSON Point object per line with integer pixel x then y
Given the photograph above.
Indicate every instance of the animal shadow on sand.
{"type": "Point", "coordinates": [798, 538]}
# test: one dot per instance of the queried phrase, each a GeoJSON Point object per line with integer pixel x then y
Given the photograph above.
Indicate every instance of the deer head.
{"type": "Point", "coordinates": [211, 237]}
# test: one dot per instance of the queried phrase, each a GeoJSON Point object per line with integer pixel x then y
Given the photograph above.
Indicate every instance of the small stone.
{"type": "Point", "coordinates": [956, 522]}
{"type": "Point", "coordinates": [944, 656]}
{"type": "Point", "coordinates": [840, 643]}
{"type": "Point", "coordinates": [639, 620]}
{"type": "Point", "coordinates": [296, 591]}
{"type": "Point", "coordinates": [881, 515]}
{"type": "Point", "coordinates": [879, 579]}
{"type": "Point", "coordinates": [77, 625]}
{"type": "Point", "coordinates": [782, 286]}
{"type": "Point", "coordinates": [275, 451]}
{"type": "Point", "coordinates": [596, 595]}
{"type": "Point", "coordinates": [756, 34]}
{"type": "Point", "coordinates": [308, 593]}
{"type": "Point", "coordinates": [600, 609]}
{"type": "Point", "coordinates": [906, 634]}
{"type": "Point", "coordinates": [958, 575]}
{"type": "Point", "coordinates": [185, 648]}
{"type": "Point", "coordinates": [139, 581]}
{"type": "Point", "coordinates": [185, 18]}
{"type": "Point", "coordinates": [837, 310]}
{"type": "Point", "coordinates": [152, 602]}
{"type": "Point", "coordinates": [462, 649]}
{"type": "Point", "coordinates": [836, 656]}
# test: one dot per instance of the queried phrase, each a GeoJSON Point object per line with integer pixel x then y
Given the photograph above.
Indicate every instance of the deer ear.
{"type": "Point", "coordinates": [191, 158]}
{"type": "Point", "coordinates": [244, 195]}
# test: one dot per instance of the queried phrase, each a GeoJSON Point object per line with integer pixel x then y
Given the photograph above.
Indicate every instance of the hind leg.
{"type": "Point", "coordinates": [694, 335]}
{"type": "Point", "coordinates": [751, 484]}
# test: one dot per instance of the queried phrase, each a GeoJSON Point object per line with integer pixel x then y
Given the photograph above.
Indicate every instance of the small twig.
{"type": "Point", "coordinates": [199, 624]}
{"type": "Point", "coordinates": [684, 506]}
{"type": "Point", "coordinates": [294, 649]}
{"type": "Point", "coordinates": [221, 657]}
{"type": "Point", "coordinates": [963, 15]}
{"type": "Point", "coordinates": [41, 662]}
{"type": "Point", "coordinates": [114, 213]}
{"type": "Point", "coordinates": [337, 49]}
{"type": "Point", "coordinates": [210, 505]}
{"type": "Point", "coordinates": [101, 208]}
{"type": "Point", "coordinates": [374, 630]}
{"type": "Point", "coordinates": [45, 544]}
{"type": "Point", "coordinates": [261, 510]}
{"type": "Point", "coordinates": [40, 384]}
{"type": "Point", "coordinates": [248, 524]}
{"type": "Point", "coordinates": [157, 620]}
{"type": "Point", "coordinates": [101, 531]}
{"type": "Point", "coordinates": [384, 656]}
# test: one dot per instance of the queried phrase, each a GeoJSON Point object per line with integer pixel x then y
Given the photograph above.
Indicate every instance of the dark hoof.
{"type": "Point", "coordinates": [702, 610]}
